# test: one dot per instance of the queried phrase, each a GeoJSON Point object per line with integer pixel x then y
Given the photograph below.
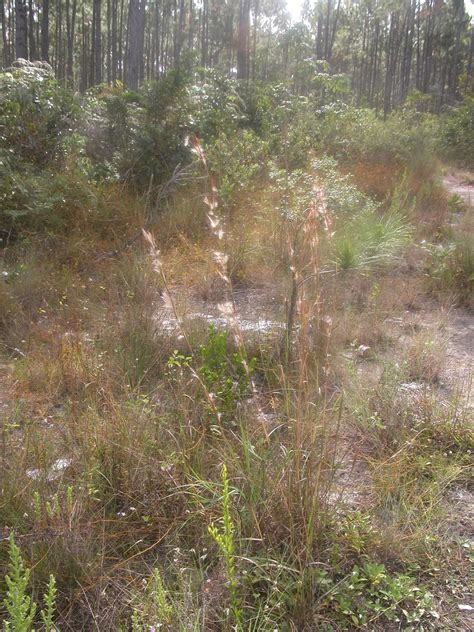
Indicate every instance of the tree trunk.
{"type": "Point", "coordinates": [70, 31]}
{"type": "Point", "coordinates": [31, 31]}
{"type": "Point", "coordinates": [21, 30]}
{"type": "Point", "coordinates": [96, 44]}
{"type": "Point", "coordinates": [113, 42]}
{"type": "Point", "coordinates": [85, 53]}
{"type": "Point", "coordinates": [470, 62]}
{"type": "Point", "coordinates": [204, 32]}
{"type": "Point", "coordinates": [459, 18]}
{"type": "Point", "coordinates": [45, 31]}
{"type": "Point", "coordinates": [136, 23]}
{"type": "Point", "coordinates": [243, 42]}
{"type": "Point", "coordinates": [5, 43]}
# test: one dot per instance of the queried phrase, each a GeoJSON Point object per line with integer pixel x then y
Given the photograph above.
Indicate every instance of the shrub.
{"type": "Point", "coordinates": [363, 237]}
{"type": "Point", "coordinates": [44, 170]}
{"type": "Point", "coordinates": [236, 160]}
{"type": "Point", "coordinates": [35, 114]}
{"type": "Point", "coordinates": [348, 133]}
{"type": "Point", "coordinates": [213, 105]}
{"type": "Point", "coordinates": [458, 133]}
{"type": "Point", "coordinates": [153, 127]}
{"type": "Point", "coordinates": [45, 200]}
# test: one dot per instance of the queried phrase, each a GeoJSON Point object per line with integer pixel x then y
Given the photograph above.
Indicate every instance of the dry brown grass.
{"type": "Point", "coordinates": [425, 355]}
{"type": "Point", "coordinates": [377, 180]}
{"type": "Point", "coordinates": [146, 442]}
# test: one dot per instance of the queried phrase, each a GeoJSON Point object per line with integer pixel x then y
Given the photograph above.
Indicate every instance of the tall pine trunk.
{"type": "Point", "coordinates": [243, 41]}
{"type": "Point", "coordinates": [21, 30]}
{"type": "Point", "coordinates": [45, 31]}
{"type": "Point", "coordinates": [136, 26]}
{"type": "Point", "coordinates": [5, 43]}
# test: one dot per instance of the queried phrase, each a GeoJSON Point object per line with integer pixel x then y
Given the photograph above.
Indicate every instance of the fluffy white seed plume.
{"type": "Point", "coordinates": [221, 258]}
{"type": "Point", "coordinates": [155, 253]}
{"type": "Point", "coordinates": [226, 308]}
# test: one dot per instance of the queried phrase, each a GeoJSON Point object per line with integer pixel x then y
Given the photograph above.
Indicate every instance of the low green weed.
{"type": "Point", "coordinates": [153, 609]}
{"type": "Point", "coordinates": [370, 593]}
{"type": "Point", "coordinates": [20, 609]}
{"type": "Point", "coordinates": [225, 540]}
{"type": "Point", "coordinates": [226, 377]}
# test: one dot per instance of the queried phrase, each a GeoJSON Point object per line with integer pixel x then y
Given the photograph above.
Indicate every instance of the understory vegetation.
{"type": "Point", "coordinates": [222, 406]}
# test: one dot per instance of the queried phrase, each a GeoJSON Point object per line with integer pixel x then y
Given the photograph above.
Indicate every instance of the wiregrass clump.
{"type": "Point", "coordinates": [450, 265]}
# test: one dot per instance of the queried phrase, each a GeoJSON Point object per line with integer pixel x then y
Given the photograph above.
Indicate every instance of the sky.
{"type": "Point", "coordinates": [294, 7]}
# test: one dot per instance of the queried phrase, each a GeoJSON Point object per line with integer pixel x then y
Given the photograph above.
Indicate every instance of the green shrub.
{"type": "Point", "coordinates": [44, 200]}
{"type": "Point", "coordinates": [44, 170]}
{"type": "Point", "coordinates": [236, 160]}
{"type": "Point", "coordinates": [350, 134]}
{"type": "Point", "coordinates": [224, 376]}
{"type": "Point", "coordinates": [363, 236]}
{"type": "Point", "coordinates": [142, 135]}
{"type": "Point", "coordinates": [35, 114]}
{"type": "Point", "coordinates": [147, 130]}
{"type": "Point", "coordinates": [213, 105]}
{"type": "Point", "coordinates": [458, 133]}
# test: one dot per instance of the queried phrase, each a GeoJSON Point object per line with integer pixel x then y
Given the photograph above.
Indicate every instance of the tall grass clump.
{"type": "Point", "coordinates": [450, 265]}
{"type": "Point", "coordinates": [417, 448]}
{"type": "Point", "coordinates": [370, 241]}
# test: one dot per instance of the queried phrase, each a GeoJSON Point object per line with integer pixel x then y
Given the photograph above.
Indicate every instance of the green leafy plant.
{"type": "Point", "coordinates": [21, 609]}
{"type": "Point", "coordinates": [225, 540]}
{"type": "Point", "coordinates": [370, 592]}
{"type": "Point", "coordinates": [226, 376]}
{"type": "Point", "coordinates": [47, 614]}
{"type": "Point", "coordinates": [35, 111]}
{"type": "Point", "coordinates": [237, 160]}
{"type": "Point", "coordinates": [458, 133]}
{"type": "Point", "coordinates": [154, 608]}
{"type": "Point", "coordinates": [18, 604]}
